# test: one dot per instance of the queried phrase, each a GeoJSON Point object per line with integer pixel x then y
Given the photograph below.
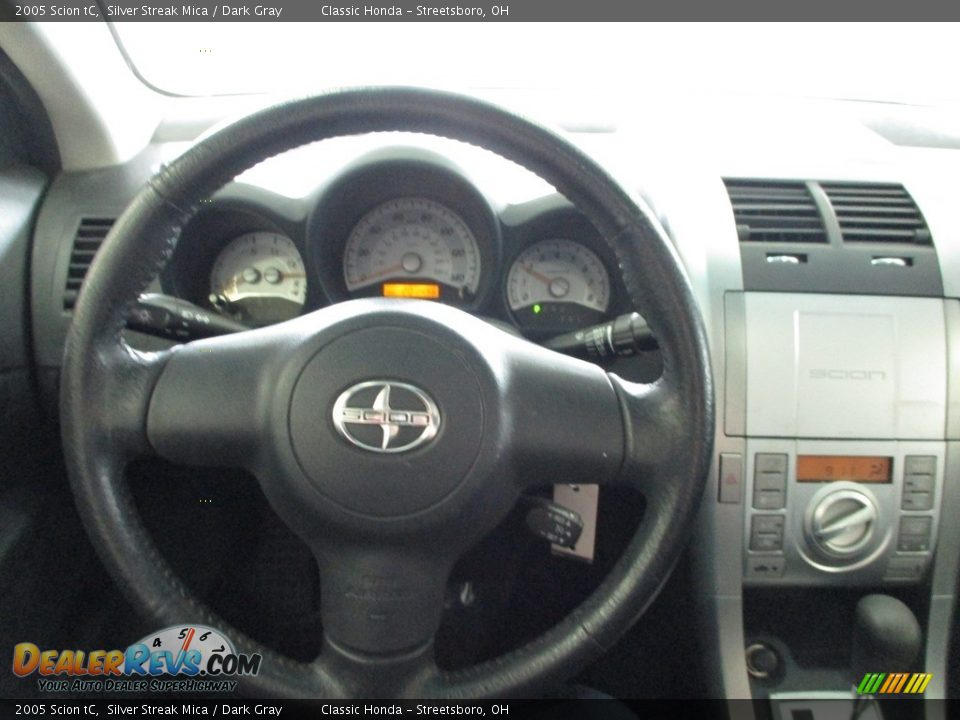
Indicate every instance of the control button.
{"type": "Point", "coordinates": [920, 464]}
{"type": "Point", "coordinates": [918, 483]}
{"type": "Point", "coordinates": [766, 542]}
{"type": "Point", "coordinates": [913, 543]}
{"type": "Point", "coordinates": [905, 568]}
{"type": "Point", "coordinates": [915, 534]}
{"type": "Point", "coordinates": [770, 462]}
{"type": "Point", "coordinates": [766, 524]}
{"type": "Point", "coordinates": [769, 481]}
{"type": "Point", "coordinates": [730, 477]}
{"type": "Point", "coordinates": [765, 567]}
{"type": "Point", "coordinates": [916, 525]}
{"type": "Point", "coordinates": [917, 501]}
{"type": "Point", "coordinates": [768, 499]}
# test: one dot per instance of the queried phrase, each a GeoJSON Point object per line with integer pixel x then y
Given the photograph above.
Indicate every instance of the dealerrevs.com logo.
{"type": "Point", "coordinates": [180, 658]}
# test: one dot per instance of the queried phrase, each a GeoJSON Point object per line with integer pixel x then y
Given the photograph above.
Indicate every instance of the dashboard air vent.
{"type": "Point", "coordinates": [775, 211]}
{"type": "Point", "coordinates": [86, 242]}
{"type": "Point", "coordinates": [870, 212]}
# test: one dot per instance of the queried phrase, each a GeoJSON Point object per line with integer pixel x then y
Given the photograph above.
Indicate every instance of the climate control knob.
{"type": "Point", "coordinates": [842, 523]}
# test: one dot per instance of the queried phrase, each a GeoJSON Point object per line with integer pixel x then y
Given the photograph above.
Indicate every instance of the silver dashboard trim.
{"type": "Point", "coordinates": [735, 353]}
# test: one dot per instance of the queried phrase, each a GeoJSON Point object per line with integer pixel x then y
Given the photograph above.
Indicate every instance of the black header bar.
{"type": "Point", "coordinates": [475, 11]}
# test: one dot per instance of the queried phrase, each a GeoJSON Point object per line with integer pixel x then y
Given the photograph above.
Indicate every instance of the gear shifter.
{"type": "Point", "coordinates": [887, 639]}
{"type": "Point", "coordinates": [886, 636]}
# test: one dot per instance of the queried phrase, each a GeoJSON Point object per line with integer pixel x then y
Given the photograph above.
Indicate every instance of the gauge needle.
{"type": "Point", "coordinates": [539, 276]}
{"type": "Point", "coordinates": [388, 271]}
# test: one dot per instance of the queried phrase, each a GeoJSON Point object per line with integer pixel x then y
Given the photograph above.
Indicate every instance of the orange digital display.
{"type": "Point", "coordinates": [856, 468]}
{"type": "Point", "coordinates": [424, 291]}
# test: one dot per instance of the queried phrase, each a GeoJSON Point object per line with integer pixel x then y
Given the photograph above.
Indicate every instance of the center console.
{"type": "Point", "coordinates": [843, 407]}
{"type": "Point", "coordinates": [835, 485]}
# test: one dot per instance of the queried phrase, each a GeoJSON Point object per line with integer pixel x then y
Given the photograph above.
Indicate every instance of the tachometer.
{"type": "Point", "coordinates": [558, 285]}
{"type": "Point", "coordinates": [412, 247]}
{"type": "Point", "coordinates": [259, 278]}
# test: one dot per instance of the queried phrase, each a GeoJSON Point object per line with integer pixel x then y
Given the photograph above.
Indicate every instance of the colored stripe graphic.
{"type": "Point", "coordinates": [874, 683]}
{"type": "Point", "coordinates": [899, 686]}
{"type": "Point", "coordinates": [894, 683]}
{"type": "Point", "coordinates": [888, 685]}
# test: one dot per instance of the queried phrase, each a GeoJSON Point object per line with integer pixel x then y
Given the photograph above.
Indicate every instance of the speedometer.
{"type": "Point", "coordinates": [412, 247]}
{"type": "Point", "coordinates": [558, 285]}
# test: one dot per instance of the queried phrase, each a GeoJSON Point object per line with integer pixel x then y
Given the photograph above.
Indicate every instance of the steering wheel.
{"type": "Point", "coordinates": [389, 435]}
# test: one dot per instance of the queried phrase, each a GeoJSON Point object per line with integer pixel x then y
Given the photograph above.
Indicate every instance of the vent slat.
{"type": "Point", "coordinates": [881, 213]}
{"type": "Point", "coordinates": [881, 233]}
{"type": "Point", "coordinates": [755, 207]}
{"type": "Point", "coordinates": [898, 208]}
{"type": "Point", "coordinates": [764, 193]}
{"type": "Point", "coordinates": [880, 222]}
{"type": "Point", "coordinates": [865, 190]}
{"type": "Point", "coordinates": [775, 211]}
{"type": "Point", "coordinates": [86, 242]}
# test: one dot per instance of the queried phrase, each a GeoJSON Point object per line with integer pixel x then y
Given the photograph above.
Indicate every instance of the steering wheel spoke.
{"type": "Point", "coordinates": [567, 425]}
{"type": "Point", "coordinates": [123, 388]}
{"type": "Point", "coordinates": [207, 405]}
{"type": "Point", "coordinates": [653, 432]}
{"type": "Point", "coordinates": [381, 607]}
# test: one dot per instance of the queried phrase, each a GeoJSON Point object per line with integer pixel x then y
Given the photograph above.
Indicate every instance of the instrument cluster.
{"type": "Point", "coordinates": [404, 225]}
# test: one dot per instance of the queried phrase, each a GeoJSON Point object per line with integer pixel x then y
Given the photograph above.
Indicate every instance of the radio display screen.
{"type": "Point", "coordinates": [855, 468]}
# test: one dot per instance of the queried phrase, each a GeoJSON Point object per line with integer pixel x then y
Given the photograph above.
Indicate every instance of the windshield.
{"type": "Point", "coordinates": [901, 63]}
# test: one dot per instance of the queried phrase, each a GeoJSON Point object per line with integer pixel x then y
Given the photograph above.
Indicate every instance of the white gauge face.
{"type": "Point", "coordinates": [558, 271]}
{"type": "Point", "coordinates": [413, 240]}
{"type": "Point", "coordinates": [260, 277]}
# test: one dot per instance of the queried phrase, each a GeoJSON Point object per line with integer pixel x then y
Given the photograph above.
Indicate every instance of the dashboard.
{"type": "Point", "coordinates": [821, 239]}
{"type": "Point", "coordinates": [401, 223]}
{"type": "Point", "coordinates": [827, 273]}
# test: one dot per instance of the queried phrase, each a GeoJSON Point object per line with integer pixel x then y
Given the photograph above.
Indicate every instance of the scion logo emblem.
{"type": "Point", "coordinates": [385, 416]}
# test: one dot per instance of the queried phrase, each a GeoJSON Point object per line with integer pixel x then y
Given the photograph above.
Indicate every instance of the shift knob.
{"type": "Point", "coordinates": [886, 636]}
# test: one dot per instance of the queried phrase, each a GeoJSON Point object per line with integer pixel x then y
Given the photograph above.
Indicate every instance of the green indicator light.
{"type": "Point", "coordinates": [537, 309]}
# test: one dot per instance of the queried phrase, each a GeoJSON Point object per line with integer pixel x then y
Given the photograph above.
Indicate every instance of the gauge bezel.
{"type": "Point", "coordinates": [222, 221]}
{"type": "Point", "coordinates": [362, 237]}
{"type": "Point", "coordinates": [577, 247]}
{"type": "Point", "coordinates": [270, 250]}
{"type": "Point", "coordinates": [397, 174]}
{"type": "Point", "coordinates": [553, 218]}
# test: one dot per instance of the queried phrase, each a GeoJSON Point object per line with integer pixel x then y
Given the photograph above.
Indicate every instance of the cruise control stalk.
{"type": "Point", "coordinates": [621, 337]}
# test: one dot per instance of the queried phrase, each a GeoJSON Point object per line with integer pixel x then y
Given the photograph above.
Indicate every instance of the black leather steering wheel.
{"type": "Point", "coordinates": [386, 528]}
